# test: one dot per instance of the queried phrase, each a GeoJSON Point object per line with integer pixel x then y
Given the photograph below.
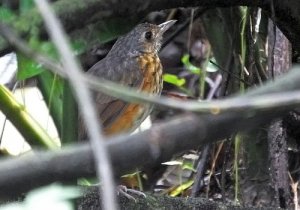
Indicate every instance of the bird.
{"type": "Point", "coordinates": [133, 62]}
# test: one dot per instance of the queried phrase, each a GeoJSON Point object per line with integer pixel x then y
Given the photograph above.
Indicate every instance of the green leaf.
{"type": "Point", "coordinates": [211, 67]}
{"type": "Point", "coordinates": [87, 181]}
{"type": "Point", "coordinates": [48, 48]}
{"type": "Point", "coordinates": [189, 66]}
{"type": "Point", "coordinates": [69, 129]}
{"type": "Point", "coordinates": [131, 174]}
{"type": "Point", "coordinates": [181, 188]}
{"type": "Point", "coordinates": [27, 68]}
{"type": "Point", "coordinates": [26, 5]}
{"type": "Point", "coordinates": [44, 47]}
{"type": "Point", "coordinates": [6, 15]}
{"type": "Point", "coordinates": [51, 87]}
{"type": "Point", "coordinates": [188, 165]}
{"type": "Point", "coordinates": [185, 59]}
{"type": "Point", "coordinates": [78, 47]}
{"type": "Point", "coordinates": [173, 79]}
{"type": "Point", "coordinates": [51, 197]}
{"type": "Point", "coordinates": [194, 69]}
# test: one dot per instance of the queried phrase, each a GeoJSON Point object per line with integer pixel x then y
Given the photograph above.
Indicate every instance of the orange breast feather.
{"type": "Point", "coordinates": [134, 114]}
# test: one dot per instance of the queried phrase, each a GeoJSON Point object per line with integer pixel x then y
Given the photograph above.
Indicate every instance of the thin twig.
{"type": "Point", "coordinates": [83, 95]}
{"type": "Point", "coordinates": [213, 165]}
{"type": "Point", "coordinates": [294, 186]}
{"type": "Point", "coordinates": [273, 43]}
{"type": "Point", "coordinates": [229, 73]}
{"type": "Point", "coordinates": [205, 151]}
{"type": "Point", "coordinates": [183, 26]}
{"type": "Point", "coordinates": [200, 171]}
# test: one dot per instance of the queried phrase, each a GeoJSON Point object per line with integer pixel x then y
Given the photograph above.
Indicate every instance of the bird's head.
{"type": "Point", "coordinates": [144, 38]}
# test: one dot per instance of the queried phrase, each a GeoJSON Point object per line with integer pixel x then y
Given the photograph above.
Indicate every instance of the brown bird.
{"type": "Point", "coordinates": [133, 61]}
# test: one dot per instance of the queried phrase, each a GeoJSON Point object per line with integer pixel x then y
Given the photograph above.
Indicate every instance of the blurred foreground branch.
{"type": "Point", "coordinates": [83, 95]}
{"type": "Point", "coordinates": [129, 152]}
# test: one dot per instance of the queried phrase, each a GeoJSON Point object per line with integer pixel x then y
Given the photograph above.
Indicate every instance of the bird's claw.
{"type": "Point", "coordinates": [124, 191]}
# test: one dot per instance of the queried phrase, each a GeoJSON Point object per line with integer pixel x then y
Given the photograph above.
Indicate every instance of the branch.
{"type": "Point", "coordinates": [23, 121]}
{"type": "Point", "coordinates": [71, 12]}
{"type": "Point", "coordinates": [145, 149]}
{"type": "Point", "coordinates": [76, 14]}
{"type": "Point", "coordinates": [83, 95]}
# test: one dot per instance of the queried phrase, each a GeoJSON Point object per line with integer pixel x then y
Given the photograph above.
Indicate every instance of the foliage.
{"type": "Point", "coordinates": [189, 66]}
{"type": "Point", "coordinates": [48, 198]}
{"type": "Point", "coordinates": [174, 80]}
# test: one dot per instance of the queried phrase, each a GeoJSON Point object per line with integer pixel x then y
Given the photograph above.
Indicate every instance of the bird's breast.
{"type": "Point", "coordinates": [151, 69]}
{"type": "Point", "coordinates": [134, 114]}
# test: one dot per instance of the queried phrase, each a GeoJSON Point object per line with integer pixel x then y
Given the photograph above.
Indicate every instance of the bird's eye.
{"type": "Point", "coordinates": [148, 35]}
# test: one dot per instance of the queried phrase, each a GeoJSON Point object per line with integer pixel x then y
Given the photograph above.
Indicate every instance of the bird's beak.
{"type": "Point", "coordinates": [165, 26]}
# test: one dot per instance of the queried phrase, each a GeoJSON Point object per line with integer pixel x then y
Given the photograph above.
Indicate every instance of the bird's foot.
{"type": "Point", "coordinates": [121, 189]}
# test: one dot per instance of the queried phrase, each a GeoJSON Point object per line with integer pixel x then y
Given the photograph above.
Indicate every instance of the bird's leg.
{"type": "Point", "coordinates": [122, 189]}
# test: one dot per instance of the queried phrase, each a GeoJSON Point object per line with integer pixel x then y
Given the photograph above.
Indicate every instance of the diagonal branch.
{"type": "Point", "coordinates": [83, 95]}
{"type": "Point", "coordinates": [145, 149]}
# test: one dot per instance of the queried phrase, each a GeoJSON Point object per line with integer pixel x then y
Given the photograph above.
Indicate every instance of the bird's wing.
{"type": "Point", "coordinates": [123, 71]}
